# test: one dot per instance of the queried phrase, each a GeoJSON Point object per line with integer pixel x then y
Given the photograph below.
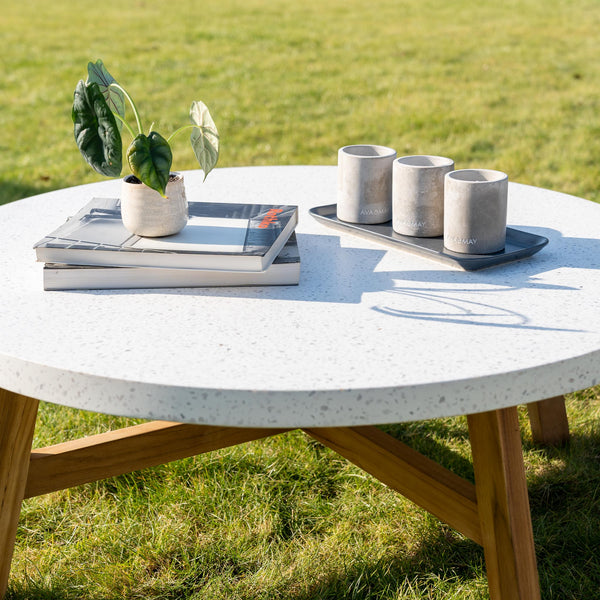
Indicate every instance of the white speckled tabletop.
{"type": "Point", "coordinates": [371, 335]}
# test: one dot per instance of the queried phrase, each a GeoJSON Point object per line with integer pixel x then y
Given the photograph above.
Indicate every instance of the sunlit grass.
{"type": "Point", "coordinates": [510, 85]}
{"type": "Point", "coordinates": [288, 518]}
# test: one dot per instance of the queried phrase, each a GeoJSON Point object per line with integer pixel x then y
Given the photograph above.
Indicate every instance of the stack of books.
{"type": "Point", "coordinates": [222, 245]}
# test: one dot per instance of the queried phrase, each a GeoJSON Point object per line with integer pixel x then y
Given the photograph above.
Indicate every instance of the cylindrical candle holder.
{"type": "Point", "coordinates": [418, 195]}
{"type": "Point", "coordinates": [475, 207]}
{"type": "Point", "coordinates": [364, 191]}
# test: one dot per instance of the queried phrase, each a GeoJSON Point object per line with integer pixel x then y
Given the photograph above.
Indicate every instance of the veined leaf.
{"type": "Point", "coordinates": [114, 97]}
{"type": "Point", "coordinates": [150, 160]}
{"type": "Point", "coordinates": [95, 129]}
{"type": "Point", "coordinates": [204, 137]}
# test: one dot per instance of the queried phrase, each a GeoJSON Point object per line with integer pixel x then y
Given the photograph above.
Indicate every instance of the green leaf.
{"type": "Point", "coordinates": [205, 137]}
{"type": "Point", "coordinates": [150, 160]}
{"type": "Point", "coordinates": [114, 97]}
{"type": "Point", "coordinates": [96, 132]}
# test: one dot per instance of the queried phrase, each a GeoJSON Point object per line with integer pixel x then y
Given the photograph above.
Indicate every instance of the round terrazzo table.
{"type": "Point", "coordinates": [371, 335]}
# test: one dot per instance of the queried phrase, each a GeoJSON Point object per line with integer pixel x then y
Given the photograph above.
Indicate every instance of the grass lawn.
{"type": "Point", "coordinates": [511, 85]}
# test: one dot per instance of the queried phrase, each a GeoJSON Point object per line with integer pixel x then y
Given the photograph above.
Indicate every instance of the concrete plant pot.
{"type": "Point", "coordinates": [146, 213]}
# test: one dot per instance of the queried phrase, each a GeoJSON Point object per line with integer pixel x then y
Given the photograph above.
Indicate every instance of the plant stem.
{"type": "Point", "coordinates": [133, 107]}
{"type": "Point", "coordinates": [180, 129]}
{"type": "Point", "coordinates": [127, 125]}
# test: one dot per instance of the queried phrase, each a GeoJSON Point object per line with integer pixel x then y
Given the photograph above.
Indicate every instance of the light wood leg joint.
{"type": "Point", "coordinates": [549, 422]}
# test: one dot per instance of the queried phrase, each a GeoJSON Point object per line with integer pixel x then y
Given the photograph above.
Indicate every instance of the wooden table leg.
{"type": "Point", "coordinates": [503, 505]}
{"type": "Point", "coordinates": [17, 423]}
{"type": "Point", "coordinates": [549, 422]}
{"type": "Point", "coordinates": [501, 509]}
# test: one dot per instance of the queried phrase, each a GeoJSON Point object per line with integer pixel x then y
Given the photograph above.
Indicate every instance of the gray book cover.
{"type": "Point", "coordinates": [232, 236]}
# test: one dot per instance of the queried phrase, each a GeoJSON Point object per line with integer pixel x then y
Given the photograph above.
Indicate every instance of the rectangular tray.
{"type": "Point", "coordinates": [519, 244]}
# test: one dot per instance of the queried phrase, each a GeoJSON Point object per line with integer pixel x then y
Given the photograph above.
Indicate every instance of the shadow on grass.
{"type": "Point", "coordinates": [11, 190]}
{"type": "Point", "coordinates": [36, 592]}
{"type": "Point", "coordinates": [442, 561]}
{"type": "Point", "coordinates": [565, 506]}
{"type": "Point", "coordinates": [564, 490]}
{"type": "Point", "coordinates": [434, 439]}
{"type": "Point", "coordinates": [564, 496]}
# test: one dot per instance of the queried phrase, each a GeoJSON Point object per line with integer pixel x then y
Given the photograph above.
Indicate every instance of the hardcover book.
{"type": "Point", "coordinates": [221, 236]}
{"type": "Point", "coordinates": [285, 270]}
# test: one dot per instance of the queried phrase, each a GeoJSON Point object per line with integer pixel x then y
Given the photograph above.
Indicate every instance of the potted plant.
{"type": "Point", "coordinates": [153, 199]}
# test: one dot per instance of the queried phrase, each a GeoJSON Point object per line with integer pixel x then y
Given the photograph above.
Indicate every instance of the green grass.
{"type": "Point", "coordinates": [512, 85]}
{"type": "Point", "coordinates": [286, 518]}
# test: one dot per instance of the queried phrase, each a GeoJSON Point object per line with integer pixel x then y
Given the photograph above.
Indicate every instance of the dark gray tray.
{"type": "Point", "coordinates": [519, 244]}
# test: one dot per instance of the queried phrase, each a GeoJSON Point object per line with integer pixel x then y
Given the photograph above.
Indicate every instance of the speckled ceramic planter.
{"type": "Point", "coordinates": [146, 213]}
{"type": "Point", "coordinates": [475, 206]}
{"type": "Point", "coordinates": [418, 195]}
{"type": "Point", "coordinates": [364, 191]}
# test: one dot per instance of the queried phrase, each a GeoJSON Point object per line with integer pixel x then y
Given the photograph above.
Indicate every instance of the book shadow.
{"type": "Point", "coordinates": [329, 274]}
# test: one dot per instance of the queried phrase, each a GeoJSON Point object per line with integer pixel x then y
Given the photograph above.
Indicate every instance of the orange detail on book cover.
{"type": "Point", "coordinates": [269, 217]}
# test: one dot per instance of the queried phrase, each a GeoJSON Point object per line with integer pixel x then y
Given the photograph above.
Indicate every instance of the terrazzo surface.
{"type": "Point", "coordinates": [371, 335]}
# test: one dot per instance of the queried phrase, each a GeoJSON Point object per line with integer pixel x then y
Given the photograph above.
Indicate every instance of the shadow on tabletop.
{"type": "Point", "coordinates": [328, 274]}
{"type": "Point", "coordinates": [448, 296]}
{"type": "Point", "coordinates": [336, 283]}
